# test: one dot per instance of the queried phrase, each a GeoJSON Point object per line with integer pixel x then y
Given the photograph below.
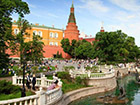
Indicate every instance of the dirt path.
{"type": "Point", "coordinates": [6, 78]}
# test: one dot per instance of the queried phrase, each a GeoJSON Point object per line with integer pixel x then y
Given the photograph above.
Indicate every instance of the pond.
{"type": "Point", "coordinates": [132, 90]}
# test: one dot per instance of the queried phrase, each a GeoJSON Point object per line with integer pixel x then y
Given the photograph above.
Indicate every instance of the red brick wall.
{"type": "Point", "coordinates": [49, 52]}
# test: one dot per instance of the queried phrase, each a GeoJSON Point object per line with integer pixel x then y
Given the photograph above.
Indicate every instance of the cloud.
{"type": "Point", "coordinates": [30, 5]}
{"type": "Point", "coordinates": [52, 15]}
{"type": "Point", "coordinates": [123, 16]}
{"type": "Point", "coordinates": [131, 29]}
{"type": "Point", "coordinates": [94, 6]}
{"type": "Point", "coordinates": [131, 5]}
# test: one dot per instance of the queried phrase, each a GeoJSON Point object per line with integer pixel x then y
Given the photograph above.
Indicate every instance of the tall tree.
{"type": "Point", "coordinates": [34, 50]}
{"type": "Point", "coordinates": [7, 8]}
{"type": "Point", "coordinates": [115, 46]}
{"type": "Point", "coordinates": [78, 49]}
{"type": "Point", "coordinates": [19, 42]}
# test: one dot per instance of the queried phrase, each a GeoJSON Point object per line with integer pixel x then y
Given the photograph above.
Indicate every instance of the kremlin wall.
{"type": "Point", "coordinates": [52, 36]}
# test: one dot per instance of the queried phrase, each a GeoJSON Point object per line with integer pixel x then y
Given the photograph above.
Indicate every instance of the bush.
{"type": "Point", "coordinates": [9, 91]}
{"type": "Point", "coordinates": [78, 80]}
{"type": "Point", "coordinates": [8, 88]}
{"type": "Point", "coordinates": [67, 68]}
{"type": "Point", "coordinates": [64, 75]}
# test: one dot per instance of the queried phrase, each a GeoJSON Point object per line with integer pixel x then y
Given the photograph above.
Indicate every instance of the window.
{"type": "Point", "coordinates": [16, 31]}
{"type": "Point", "coordinates": [56, 43]}
{"type": "Point", "coordinates": [56, 35]}
{"type": "Point", "coordinates": [35, 32]}
{"type": "Point", "coordinates": [51, 35]}
{"type": "Point", "coordinates": [51, 43]}
{"type": "Point", "coordinates": [40, 33]}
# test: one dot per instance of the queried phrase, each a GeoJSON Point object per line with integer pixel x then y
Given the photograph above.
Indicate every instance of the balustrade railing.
{"type": "Point", "coordinates": [41, 97]}
{"type": "Point", "coordinates": [29, 100]}
{"type": "Point", "coordinates": [95, 75]}
{"type": "Point", "coordinates": [53, 95]}
{"type": "Point", "coordinates": [40, 82]}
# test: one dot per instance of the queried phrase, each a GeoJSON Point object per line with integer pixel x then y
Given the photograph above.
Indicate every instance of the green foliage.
{"type": "Point", "coordinates": [78, 80]}
{"type": "Point", "coordinates": [93, 69]}
{"type": "Point", "coordinates": [115, 46]}
{"type": "Point", "coordinates": [67, 68]}
{"type": "Point", "coordinates": [71, 86]}
{"type": "Point", "coordinates": [35, 50]}
{"type": "Point", "coordinates": [9, 91]}
{"type": "Point", "coordinates": [64, 75]}
{"type": "Point", "coordinates": [58, 55]}
{"type": "Point", "coordinates": [78, 49]}
{"type": "Point", "coordinates": [8, 7]}
{"type": "Point", "coordinates": [8, 88]}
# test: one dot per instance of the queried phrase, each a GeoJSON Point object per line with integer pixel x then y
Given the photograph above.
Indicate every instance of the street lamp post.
{"type": "Point", "coordinates": [23, 94]}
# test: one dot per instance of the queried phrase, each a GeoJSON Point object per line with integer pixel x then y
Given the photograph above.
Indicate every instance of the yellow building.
{"type": "Point", "coordinates": [50, 35]}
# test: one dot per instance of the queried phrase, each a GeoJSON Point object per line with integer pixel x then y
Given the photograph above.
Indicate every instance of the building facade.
{"type": "Point", "coordinates": [52, 36]}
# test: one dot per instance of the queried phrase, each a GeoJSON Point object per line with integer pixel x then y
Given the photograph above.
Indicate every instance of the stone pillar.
{"type": "Point", "coordinates": [41, 100]}
{"type": "Point", "coordinates": [43, 79]}
{"type": "Point", "coordinates": [14, 79]}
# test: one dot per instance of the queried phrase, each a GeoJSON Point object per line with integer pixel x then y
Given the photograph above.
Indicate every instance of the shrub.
{"type": "Point", "coordinates": [8, 88]}
{"type": "Point", "coordinates": [67, 68]}
{"type": "Point", "coordinates": [78, 80]}
{"type": "Point", "coordinates": [64, 75]}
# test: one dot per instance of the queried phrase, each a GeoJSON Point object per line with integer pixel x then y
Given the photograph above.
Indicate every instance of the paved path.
{"type": "Point", "coordinates": [6, 78]}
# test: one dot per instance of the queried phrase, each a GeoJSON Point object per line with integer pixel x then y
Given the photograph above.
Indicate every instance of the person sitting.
{"type": "Point", "coordinates": [53, 86]}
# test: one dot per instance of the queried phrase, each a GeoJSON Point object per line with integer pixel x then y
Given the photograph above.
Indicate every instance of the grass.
{"type": "Point", "coordinates": [68, 85]}
{"type": "Point", "coordinates": [14, 95]}
{"type": "Point", "coordinates": [71, 86]}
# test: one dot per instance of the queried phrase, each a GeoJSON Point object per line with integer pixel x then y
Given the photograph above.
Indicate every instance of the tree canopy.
{"type": "Point", "coordinates": [108, 47]}
{"type": "Point", "coordinates": [115, 46]}
{"type": "Point", "coordinates": [7, 8]}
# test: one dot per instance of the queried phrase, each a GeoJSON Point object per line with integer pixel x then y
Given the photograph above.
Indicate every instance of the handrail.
{"type": "Point", "coordinates": [18, 100]}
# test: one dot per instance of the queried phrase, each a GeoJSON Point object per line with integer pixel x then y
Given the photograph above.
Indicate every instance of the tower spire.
{"type": "Point", "coordinates": [71, 16]}
{"type": "Point", "coordinates": [71, 31]}
{"type": "Point", "coordinates": [72, 4]}
{"type": "Point", "coordinates": [102, 26]}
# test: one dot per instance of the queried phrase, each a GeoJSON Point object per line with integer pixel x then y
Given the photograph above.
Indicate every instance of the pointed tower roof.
{"type": "Point", "coordinates": [72, 5]}
{"type": "Point", "coordinates": [71, 16]}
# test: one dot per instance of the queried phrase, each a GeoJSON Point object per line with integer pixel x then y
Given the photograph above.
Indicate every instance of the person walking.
{"type": "Point", "coordinates": [33, 82]}
{"type": "Point", "coordinates": [28, 81]}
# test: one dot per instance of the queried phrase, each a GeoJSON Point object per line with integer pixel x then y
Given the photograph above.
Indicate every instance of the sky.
{"type": "Point", "coordinates": [90, 14]}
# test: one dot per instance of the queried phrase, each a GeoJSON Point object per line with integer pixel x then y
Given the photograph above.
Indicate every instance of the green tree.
{"type": "Point", "coordinates": [7, 8]}
{"type": "Point", "coordinates": [115, 46]}
{"type": "Point", "coordinates": [78, 49]}
{"type": "Point", "coordinates": [84, 50]}
{"type": "Point", "coordinates": [34, 50]}
{"type": "Point", "coordinates": [19, 44]}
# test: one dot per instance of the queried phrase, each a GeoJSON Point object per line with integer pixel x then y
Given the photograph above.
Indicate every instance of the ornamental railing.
{"type": "Point", "coordinates": [93, 75]}
{"type": "Point", "coordinates": [41, 97]}
{"type": "Point", "coordinates": [40, 82]}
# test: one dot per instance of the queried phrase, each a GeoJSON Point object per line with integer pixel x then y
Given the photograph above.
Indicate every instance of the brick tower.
{"type": "Point", "coordinates": [71, 31]}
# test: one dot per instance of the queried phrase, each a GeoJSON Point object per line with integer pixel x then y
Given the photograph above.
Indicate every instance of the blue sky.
{"type": "Point", "coordinates": [116, 14]}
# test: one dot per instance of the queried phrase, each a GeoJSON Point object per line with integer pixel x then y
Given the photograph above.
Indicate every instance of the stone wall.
{"type": "Point", "coordinates": [122, 71]}
{"type": "Point", "coordinates": [107, 82]}
{"type": "Point", "coordinates": [104, 85]}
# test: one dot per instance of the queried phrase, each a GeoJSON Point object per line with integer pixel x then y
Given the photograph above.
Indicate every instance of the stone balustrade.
{"type": "Point", "coordinates": [53, 95]}
{"type": "Point", "coordinates": [29, 100]}
{"type": "Point", "coordinates": [41, 97]}
{"type": "Point", "coordinates": [93, 75]}
{"type": "Point", "coordinates": [40, 82]}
